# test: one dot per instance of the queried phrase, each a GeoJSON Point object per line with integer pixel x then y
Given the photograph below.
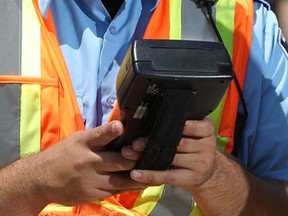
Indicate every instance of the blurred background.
{"type": "Point", "coordinates": [280, 7]}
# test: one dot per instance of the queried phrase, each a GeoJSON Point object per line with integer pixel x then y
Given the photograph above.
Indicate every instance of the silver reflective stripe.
{"type": "Point", "coordinates": [174, 201]}
{"type": "Point", "coordinates": [10, 63]}
{"type": "Point", "coordinates": [9, 122]}
{"type": "Point", "coordinates": [10, 33]}
{"type": "Point", "coordinates": [195, 25]}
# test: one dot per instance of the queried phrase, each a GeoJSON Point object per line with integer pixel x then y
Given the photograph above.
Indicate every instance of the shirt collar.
{"type": "Point", "coordinates": [43, 6]}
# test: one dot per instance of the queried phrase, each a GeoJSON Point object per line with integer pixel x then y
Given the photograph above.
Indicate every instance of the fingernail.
{"type": "Point", "coordinates": [115, 127]}
{"type": "Point", "coordinates": [139, 145]}
{"type": "Point", "coordinates": [128, 151]}
{"type": "Point", "coordinates": [136, 174]}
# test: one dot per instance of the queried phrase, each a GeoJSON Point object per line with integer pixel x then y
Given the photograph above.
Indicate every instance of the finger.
{"type": "Point", "coordinates": [129, 153]}
{"type": "Point", "coordinates": [203, 128]}
{"type": "Point", "coordinates": [185, 160]}
{"type": "Point", "coordinates": [107, 193]}
{"type": "Point", "coordinates": [154, 178]}
{"type": "Point", "coordinates": [193, 162]}
{"type": "Point", "coordinates": [133, 152]}
{"type": "Point", "coordinates": [174, 177]}
{"type": "Point", "coordinates": [190, 145]}
{"type": "Point", "coordinates": [140, 144]}
{"type": "Point", "coordinates": [104, 134]}
{"type": "Point", "coordinates": [119, 181]}
{"type": "Point", "coordinates": [112, 161]}
{"type": "Point", "coordinates": [100, 194]}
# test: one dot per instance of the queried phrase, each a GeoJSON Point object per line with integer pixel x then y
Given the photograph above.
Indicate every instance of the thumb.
{"type": "Point", "coordinates": [102, 135]}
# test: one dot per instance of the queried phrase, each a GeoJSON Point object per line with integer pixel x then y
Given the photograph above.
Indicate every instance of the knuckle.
{"type": "Point", "coordinates": [193, 125]}
{"type": "Point", "coordinates": [176, 160]}
{"type": "Point", "coordinates": [169, 179]}
{"type": "Point", "coordinates": [76, 137]}
{"type": "Point", "coordinates": [123, 164]}
{"type": "Point", "coordinates": [95, 133]}
{"type": "Point", "coordinates": [211, 146]}
{"type": "Point", "coordinates": [198, 181]}
{"type": "Point", "coordinates": [79, 163]}
{"type": "Point", "coordinates": [84, 161]}
{"type": "Point", "coordinates": [183, 144]}
{"type": "Point", "coordinates": [206, 163]}
{"type": "Point", "coordinates": [209, 122]}
{"type": "Point", "coordinates": [150, 178]}
{"type": "Point", "coordinates": [199, 177]}
{"type": "Point", "coordinates": [190, 125]}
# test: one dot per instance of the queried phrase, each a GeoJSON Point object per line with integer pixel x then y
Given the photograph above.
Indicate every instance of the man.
{"type": "Point", "coordinates": [76, 170]}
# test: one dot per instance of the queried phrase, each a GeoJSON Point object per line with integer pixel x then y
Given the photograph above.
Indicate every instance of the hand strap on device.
{"type": "Point", "coordinates": [167, 130]}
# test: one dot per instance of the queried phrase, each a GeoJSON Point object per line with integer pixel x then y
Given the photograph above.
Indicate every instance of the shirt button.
{"type": "Point", "coordinates": [111, 101]}
{"type": "Point", "coordinates": [113, 30]}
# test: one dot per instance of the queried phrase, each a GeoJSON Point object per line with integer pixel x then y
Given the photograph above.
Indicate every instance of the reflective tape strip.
{"type": "Point", "coordinates": [215, 116]}
{"type": "Point", "coordinates": [30, 119]}
{"type": "Point", "coordinates": [9, 122]}
{"type": "Point", "coordinates": [196, 211]}
{"type": "Point", "coordinates": [148, 199]}
{"type": "Point", "coordinates": [225, 14]}
{"type": "Point", "coordinates": [115, 208]}
{"type": "Point", "coordinates": [10, 25]}
{"type": "Point", "coordinates": [54, 207]}
{"type": "Point", "coordinates": [175, 19]}
{"type": "Point", "coordinates": [31, 41]}
{"type": "Point", "coordinates": [102, 209]}
{"type": "Point", "coordinates": [174, 201]}
{"type": "Point", "coordinates": [195, 24]}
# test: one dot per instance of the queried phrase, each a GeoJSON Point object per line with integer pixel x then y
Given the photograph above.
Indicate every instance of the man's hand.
{"type": "Point", "coordinates": [193, 163]}
{"type": "Point", "coordinates": [76, 170]}
{"type": "Point", "coordinates": [81, 171]}
{"type": "Point", "coordinates": [217, 181]}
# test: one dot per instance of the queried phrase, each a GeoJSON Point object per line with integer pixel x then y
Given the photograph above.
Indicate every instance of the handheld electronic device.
{"type": "Point", "coordinates": [161, 83]}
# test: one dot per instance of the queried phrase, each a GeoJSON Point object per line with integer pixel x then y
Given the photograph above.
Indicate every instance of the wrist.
{"type": "Point", "coordinates": [227, 184]}
{"type": "Point", "coordinates": [20, 189]}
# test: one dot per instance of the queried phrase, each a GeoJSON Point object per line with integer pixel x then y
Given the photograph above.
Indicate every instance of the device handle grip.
{"type": "Point", "coordinates": [167, 130]}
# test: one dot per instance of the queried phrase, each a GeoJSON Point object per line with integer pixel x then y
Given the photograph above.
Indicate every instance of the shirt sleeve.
{"type": "Point", "coordinates": [264, 148]}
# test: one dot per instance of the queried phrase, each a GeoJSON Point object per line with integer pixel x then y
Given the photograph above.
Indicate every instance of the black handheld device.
{"type": "Point", "coordinates": [161, 84]}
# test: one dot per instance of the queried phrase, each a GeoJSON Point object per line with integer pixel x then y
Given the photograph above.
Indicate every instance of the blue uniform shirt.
{"type": "Point", "coordinates": [264, 148]}
{"type": "Point", "coordinates": [94, 46]}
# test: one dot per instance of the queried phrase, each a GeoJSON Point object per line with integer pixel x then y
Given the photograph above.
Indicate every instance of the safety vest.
{"type": "Point", "coordinates": [38, 105]}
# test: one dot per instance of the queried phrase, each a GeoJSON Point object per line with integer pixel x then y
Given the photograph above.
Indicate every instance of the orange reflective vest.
{"type": "Point", "coordinates": [38, 106]}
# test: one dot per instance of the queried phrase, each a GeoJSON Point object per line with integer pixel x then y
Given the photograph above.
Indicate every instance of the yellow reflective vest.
{"type": "Point", "coordinates": [38, 106]}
